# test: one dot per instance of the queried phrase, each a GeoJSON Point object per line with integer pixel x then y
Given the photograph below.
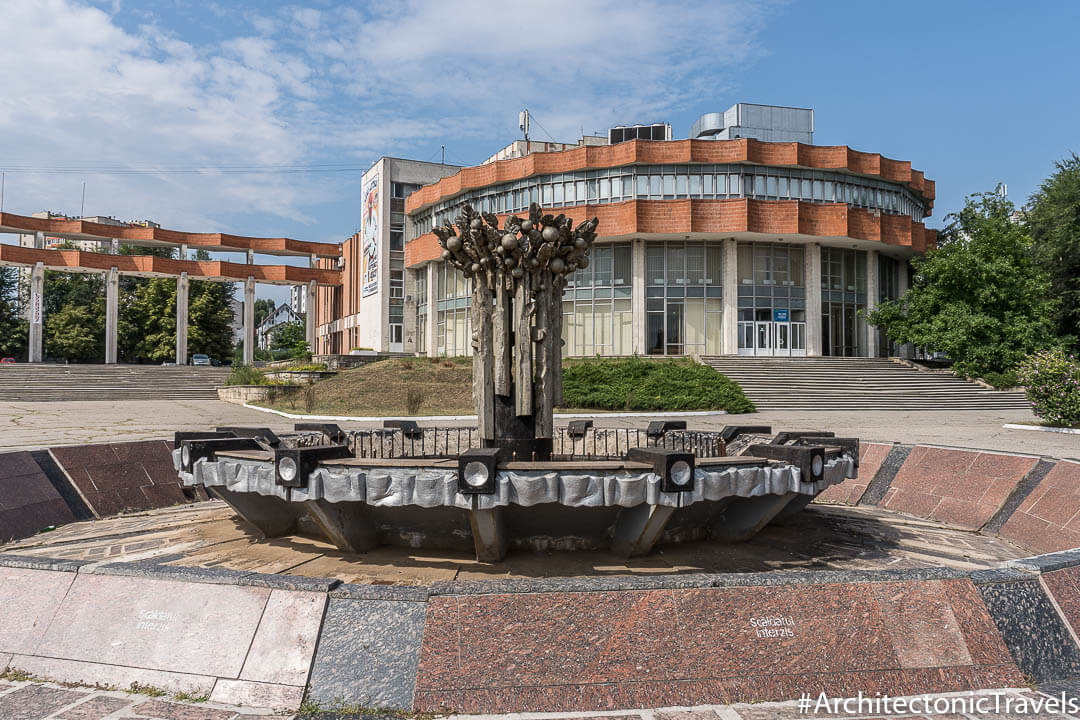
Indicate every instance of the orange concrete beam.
{"type": "Point", "coordinates": [83, 230]}
{"type": "Point", "coordinates": [739, 215]}
{"type": "Point", "coordinates": [650, 152]}
{"type": "Point", "coordinates": [149, 265]}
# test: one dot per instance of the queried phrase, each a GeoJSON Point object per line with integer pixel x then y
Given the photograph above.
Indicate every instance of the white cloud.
{"type": "Point", "coordinates": [86, 86]}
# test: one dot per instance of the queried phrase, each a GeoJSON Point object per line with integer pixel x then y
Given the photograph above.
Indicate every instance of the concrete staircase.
{"type": "Point", "coordinates": [47, 382]}
{"type": "Point", "coordinates": [856, 384]}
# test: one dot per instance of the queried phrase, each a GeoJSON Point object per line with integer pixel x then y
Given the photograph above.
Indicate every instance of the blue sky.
{"type": "Point", "coordinates": [258, 117]}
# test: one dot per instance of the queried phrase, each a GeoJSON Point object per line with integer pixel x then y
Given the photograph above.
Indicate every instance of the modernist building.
{"type": "Point", "coordinates": [375, 306]}
{"type": "Point", "coordinates": [706, 246]}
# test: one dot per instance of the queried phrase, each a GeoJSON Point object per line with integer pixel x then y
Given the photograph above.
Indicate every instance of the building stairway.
{"type": "Point", "coordinates": [47, 382]}
{"type": "Point", "coordinates": [858, 384]}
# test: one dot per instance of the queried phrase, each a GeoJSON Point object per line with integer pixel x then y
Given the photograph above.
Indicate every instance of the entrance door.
{"type": "Point", "coordinates": [781, 338]}
{"type": "Point", "coordinates": [763, 338]}
{"type": "Point", "coordinates": [397, 333]}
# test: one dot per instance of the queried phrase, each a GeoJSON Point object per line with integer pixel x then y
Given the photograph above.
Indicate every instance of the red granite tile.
{"type": "Point", "coordinates": [95, 708]}
{"type": "Point", "coordinates": [175, 711]}
{"type": "Point", "coordinates": [848, 492]}
{"type": "Point", "coordinates": [157, 496]}
{"type": "Point", "coordinates": [1064, 585]}
{"type": "Point", "coordinates": [19, 490]}
{"type": "Point", "coordinates": [76, 456]}
{"type": "Point", "coordinates": [607, 651]}
{"type": "Point", "coordinates": [141, 452]}
{"type": "Point", "coordinates": [161, 472]}
{"type": "Point", "coordinates": [116, 476]}
{"type": "Point", "coordinates": [20, 522]}
{"type": "Point", "coordinates": [958, 487]}
{"type": "Point", "coordinates": [14, 464]}
{"type": "Point", "coordinates": [930, 633]}
{"type": "Point", "coordinates": [1048, 520]}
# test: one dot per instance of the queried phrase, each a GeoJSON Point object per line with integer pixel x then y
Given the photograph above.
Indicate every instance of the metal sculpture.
{"type": "Point", "coordinates": [518, 275]}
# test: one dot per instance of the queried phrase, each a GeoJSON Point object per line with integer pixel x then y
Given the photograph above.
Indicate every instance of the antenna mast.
{"type": "Point", "coordinates": [523, 124]}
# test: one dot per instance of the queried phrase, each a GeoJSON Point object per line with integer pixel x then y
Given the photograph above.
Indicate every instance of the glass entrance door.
{"type": "Point", "coordinates": [763, 338]}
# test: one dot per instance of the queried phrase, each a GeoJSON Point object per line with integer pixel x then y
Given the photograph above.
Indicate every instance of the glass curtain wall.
{"type": "Point", "coordinates": [453, 293]}
{"type": "Point", "coordinates": [597, 308]}
{"type": "Point", "coordinates": [684, 298]}
{"type": "Point", "coordinates": [772, 299]}
{"type": "Point", "coordinates": [421, 310]}
{"type": "Point", "coordinates": [888, 289]}
{"type": "Point", "coordinates": [843, 300]}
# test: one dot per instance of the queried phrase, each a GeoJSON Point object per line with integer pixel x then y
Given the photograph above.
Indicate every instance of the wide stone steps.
{"type": "Point", "coordinates": [51, 383]}
{"type": "Point", "coordinates": [857, 384]}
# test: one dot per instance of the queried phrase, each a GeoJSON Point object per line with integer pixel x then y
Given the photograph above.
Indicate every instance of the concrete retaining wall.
{"type": "Point", "coordinates": [240, 394]}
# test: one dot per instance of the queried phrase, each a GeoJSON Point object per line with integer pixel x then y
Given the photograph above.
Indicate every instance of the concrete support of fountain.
{"type": "Point", "coordinates": [346, 525]}
{"type": "Point", "coordinates": [271, 516]}
{"type": "Point", "coordinates": [639, 528]}
{"type": "Point", "coordinates": [744, 517]}
{"type": "Point", "coordinates": [489, 534]}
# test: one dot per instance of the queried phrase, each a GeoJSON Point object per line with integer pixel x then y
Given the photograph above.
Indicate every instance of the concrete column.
{"type": "Point", "coordinates": [249, 321]}
{"type": "Point", "coordinates": [907, 350]}
{"type": "Point", "coordinates": [812, 278]}
{"type": "Point", "coordinates": [250, 257]}
{"type": "Point", "coordinates": [744, 517]}
{"type": "Point", "coordinates": [37, 292]}
{"type": "Point", "coordinates": [637, 289]}
{"type": "Point", "coordinates": [731, 296]}
{"type": "Point", "coordinates": [871, 301]}
{"type": "Point", "coordinates": [309, 317]}
{"type": "Point", "coordinates": [432, 310]}
{"type": "Point", "coordinates": [489, 534]}
{"type": "Point", "coordinates": [638, 528]}
{"type": "Point", "coordinates": [181, 318]}
{"type": "Point", "coordinates": [39, 240]}
{"type": "Point", "coordinates": [183, 252]}
{"type": "Point", "coordinates": [345, 524]}
{"type": "Point", "coordinates": [114, 246]}
{"type": "Point", "coordinates": [271, 516]}
{"type": "Point", "coordinates": [112, 309]}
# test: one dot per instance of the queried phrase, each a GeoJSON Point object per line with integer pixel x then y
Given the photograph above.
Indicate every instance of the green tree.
{"type": "Point", "coordinates": [72, 334]}
{"type": "Point", "coordinates": [13, 329]}
{"type": "Point", "coordinates": [210, 319]}
{"type": "Point", "coordinates": [292, 337]}
{"type": "Point", "coordinates": [154, 311]}
{"type": "Point", "coordinates": [262, 309]}
{"type": "Point", "coordinates": [980, 297]}
{"type": "Point", "coordinates": [1053, 218]}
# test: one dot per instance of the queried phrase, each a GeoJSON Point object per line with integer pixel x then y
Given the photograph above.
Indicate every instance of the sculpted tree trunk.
{"type": "Point", "coordinates": [518, 276]}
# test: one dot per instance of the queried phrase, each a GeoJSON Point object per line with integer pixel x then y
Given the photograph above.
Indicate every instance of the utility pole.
{"type": "Point", "coordinates": [82, 207]}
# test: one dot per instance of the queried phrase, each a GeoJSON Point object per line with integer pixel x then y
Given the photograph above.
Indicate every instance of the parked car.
{"type": "Point", "coordinates": [7, 361]}
{"type": "Point", "coordinates": [200, 359]}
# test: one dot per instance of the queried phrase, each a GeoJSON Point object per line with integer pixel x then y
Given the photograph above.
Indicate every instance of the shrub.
{"type": "Point", "coordinates": [1051, 381]}
{"type": "Point", "coordinates": [639, 384]}
{"type": "Point", "coordinates": [414, 398]}
{"type": "Point", "coordinates": [1001, 380]}
{"type": "Point", "coordinates": [245, 375]}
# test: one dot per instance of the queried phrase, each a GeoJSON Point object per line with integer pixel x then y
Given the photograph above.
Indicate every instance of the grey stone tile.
{"type": "Point", "coordinates": [368, 653]}
{"type": "Point", "coordinates": [34, 562]}
{"type": "Point", "coordinates": [95, 708]}
{"type": "Point", "coordinates": [33, 702]}
{"type": "Point", "coordinates": [882, 480]}
{"type": "Point", "coordinates": [162, 710]}
{"type": "Point", "coordinates": [1033, 631]}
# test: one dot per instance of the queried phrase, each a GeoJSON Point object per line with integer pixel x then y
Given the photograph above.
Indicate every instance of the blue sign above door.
{"type": "Point", "coordinates": [780, 315]}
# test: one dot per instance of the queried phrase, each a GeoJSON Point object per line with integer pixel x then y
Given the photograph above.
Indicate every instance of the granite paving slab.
{"type": "Point", "coordinates": [28, 500]}
{"type": "Point", "coordinates": [156, 624]}
{"type": "Point", "coordinates": [1064, 587]}
{"type": "Point", "coordinates": [1032, 629]}
{"type": "Point", "coordinates": [28, 601]}
{"type": "Point", "coordinates": [34, 702]}
{"type": "Point", "coordinates": [163, 710]}
{"type": "Point", "coordinates": [284, 643]}
{"type": "Point", "coordinates": [368, 653]}
{"type": "Point", "coordinates": [256, 694]}
{"type": "Point", "coordinates": [882, 480]}
{"type": "Point", "coordinates": [95, 708]}
{"type": "Point", "coordinates": [119, 676]}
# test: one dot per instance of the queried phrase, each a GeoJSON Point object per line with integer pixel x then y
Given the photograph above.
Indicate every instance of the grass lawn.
{"type": "Point", "coordinates": [442, 386]}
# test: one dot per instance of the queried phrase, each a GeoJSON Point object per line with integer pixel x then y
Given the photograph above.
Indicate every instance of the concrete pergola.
{"type": "Point", "coordinates": [113, 265]}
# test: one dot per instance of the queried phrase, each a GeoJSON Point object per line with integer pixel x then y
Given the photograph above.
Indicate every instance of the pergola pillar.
{"type": "Point", "coordinates": [39, 240]}
{"type": "Point", "coordinates": [309, 315]}
{"type": "Point", "coordinates": [432, 309]}
{"type": "Point", "coordinates": [871, 301]}
{"type": "Point", "coordinates": [249, 321]}
{"type": "Point", "coordinates": [112, 309]}
{"type": "Point", "coordinates": [181, 318]}
{"type": "Point", "coordinates": [812, 278]}
{"type": "Point", "coordinates": [37, 291]}
{"type": "Point", "coordinates": [730, 327]}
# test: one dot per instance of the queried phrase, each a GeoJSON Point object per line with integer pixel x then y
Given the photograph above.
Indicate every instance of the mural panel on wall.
{"type": "Point", "coordinates": [369, 273]}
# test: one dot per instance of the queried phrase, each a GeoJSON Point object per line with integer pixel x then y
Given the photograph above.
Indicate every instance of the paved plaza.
{"type": "Point", "coordinates": [25, 425]}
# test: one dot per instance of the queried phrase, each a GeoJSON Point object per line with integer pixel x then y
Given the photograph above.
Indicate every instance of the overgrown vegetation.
{"type": "Point", "coordinates": [1051, 380]}
{"type": "Point", "coordinates": [246, 375]}
{"type": "Point", "coordinates": [638, 384]}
